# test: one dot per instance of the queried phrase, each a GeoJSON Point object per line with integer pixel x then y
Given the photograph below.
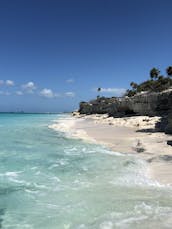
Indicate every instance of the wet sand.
{"type": "Point", "coordinates": [132, 135]}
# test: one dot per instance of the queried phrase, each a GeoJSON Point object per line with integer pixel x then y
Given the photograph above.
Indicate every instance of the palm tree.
{"type": "Point", "coordinates": [160, 78]}
{"type": "Point", "coordinates": [98, 90]}
{"type": "Point", "coordinates": [154, 73]}
{"type": "Point", "coordinates": [169, 71]}
{"type": "Point", "coordinates": [133, 85]}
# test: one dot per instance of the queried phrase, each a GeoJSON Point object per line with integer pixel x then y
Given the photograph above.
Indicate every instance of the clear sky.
{"type": "Point", "coordinates": [54, 53]}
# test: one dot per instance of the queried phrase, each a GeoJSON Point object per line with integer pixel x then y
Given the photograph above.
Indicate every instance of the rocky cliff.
{"type": "Point", "coordinates": [150, 104]}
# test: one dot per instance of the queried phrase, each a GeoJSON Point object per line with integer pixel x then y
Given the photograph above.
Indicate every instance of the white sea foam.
{"type": "Point", "coordinates": [34, 168]}
{"type": "Point", "coordinates": [67, 125]}
{"type": "Point", "coordinates": [40, 186]}
{"type": "Point", "coordinates": [72, 184]}
{"type": "Point", "coordinates": [140, 178]}
{"type": "Point", "coordinates": [53, 166]}
{"type": "Point", "coordinates": [21, 182]}
{"type": "Point", "coordinates": [38, 173]}
{"type": "Point", "coordinates": [11, 174]}
{"type": "Point", "coordinates": [57, 179]}
{"type": "Point", "coordinates": [63, 125]}
{"type": "Point", "coordinates": [106, 225]}
{"type": "Point", "coordinates": [31, 191]}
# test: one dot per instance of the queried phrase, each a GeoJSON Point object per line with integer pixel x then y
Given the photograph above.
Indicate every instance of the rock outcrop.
{"type": "Point", "coordinates": [168, 127]}
{"type": "Point", "coordinates": [143, 104]}
{"type": "Point", "coordinates": [151, 104]}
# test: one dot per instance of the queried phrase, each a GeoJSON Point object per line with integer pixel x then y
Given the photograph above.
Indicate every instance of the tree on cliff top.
{"type": "Point", "coordinates": [98, 90]}
{"type": "Point", "coordinates": [157, 83]}
{"type": "Point", "coordinates": [169, 71]}
{"type": "Point", "coordinates": [133, 85]}
{"type": "Point", "coordinates": [154, 73]}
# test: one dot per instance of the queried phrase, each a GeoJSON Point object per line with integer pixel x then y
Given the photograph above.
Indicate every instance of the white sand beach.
{"type": "Point", "coordinates": [133, 135]}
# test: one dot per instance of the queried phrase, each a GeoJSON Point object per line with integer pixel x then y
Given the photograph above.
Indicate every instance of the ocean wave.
{"type": "Point", "coordinates": [67, 127]}
{"type": "Point", "coordinates": [68, 183]}
{"type": "Point", "coordinates": [10, 174]}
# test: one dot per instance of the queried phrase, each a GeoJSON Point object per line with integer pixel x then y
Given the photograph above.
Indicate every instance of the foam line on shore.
{"type": "Point", "coordinates": [68, 127]}
{"type": "Point", "coordinates": [123, 135]}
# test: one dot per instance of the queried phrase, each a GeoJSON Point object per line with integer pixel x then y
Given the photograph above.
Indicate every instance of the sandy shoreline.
{"type": "Point", "coordinates": [132, 135]}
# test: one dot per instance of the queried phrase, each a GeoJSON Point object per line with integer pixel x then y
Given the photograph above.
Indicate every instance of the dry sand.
{"type": "Point", "coordinates": [133, 135]}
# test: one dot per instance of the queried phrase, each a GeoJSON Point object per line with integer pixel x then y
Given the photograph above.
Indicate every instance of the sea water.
{"type": "Point", "coordinates": [51, 181]}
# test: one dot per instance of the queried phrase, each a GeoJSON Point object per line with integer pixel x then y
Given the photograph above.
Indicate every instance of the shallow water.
{"type": "Point", "coordinates": [50, 181]}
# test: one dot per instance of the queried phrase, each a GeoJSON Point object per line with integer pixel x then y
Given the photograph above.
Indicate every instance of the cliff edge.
{"type": "Point", "coordinates": [150, 104]}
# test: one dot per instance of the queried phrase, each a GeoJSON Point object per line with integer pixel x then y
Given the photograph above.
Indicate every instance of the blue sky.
{"type": "Point", "coordinates": [54, 53]}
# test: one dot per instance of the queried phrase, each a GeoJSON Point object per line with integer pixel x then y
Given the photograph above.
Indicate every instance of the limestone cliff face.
{"type": "Point", "coordinates": [150, 104]}
{"type": "Point", "coordinates": [143, 104]}
{"type": "Point", "coordinates": [168, 127]}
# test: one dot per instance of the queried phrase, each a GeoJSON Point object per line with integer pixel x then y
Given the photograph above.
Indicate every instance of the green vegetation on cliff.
{"type": "Point", "coordinates": [156, 83]}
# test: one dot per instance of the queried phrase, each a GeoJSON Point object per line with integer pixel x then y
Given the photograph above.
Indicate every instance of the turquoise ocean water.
{"type": "Point", "coordinates": [50, 181]}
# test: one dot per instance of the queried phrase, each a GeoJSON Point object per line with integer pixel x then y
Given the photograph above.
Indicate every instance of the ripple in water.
{"type": "Point", "coordinates": [51, 181]}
